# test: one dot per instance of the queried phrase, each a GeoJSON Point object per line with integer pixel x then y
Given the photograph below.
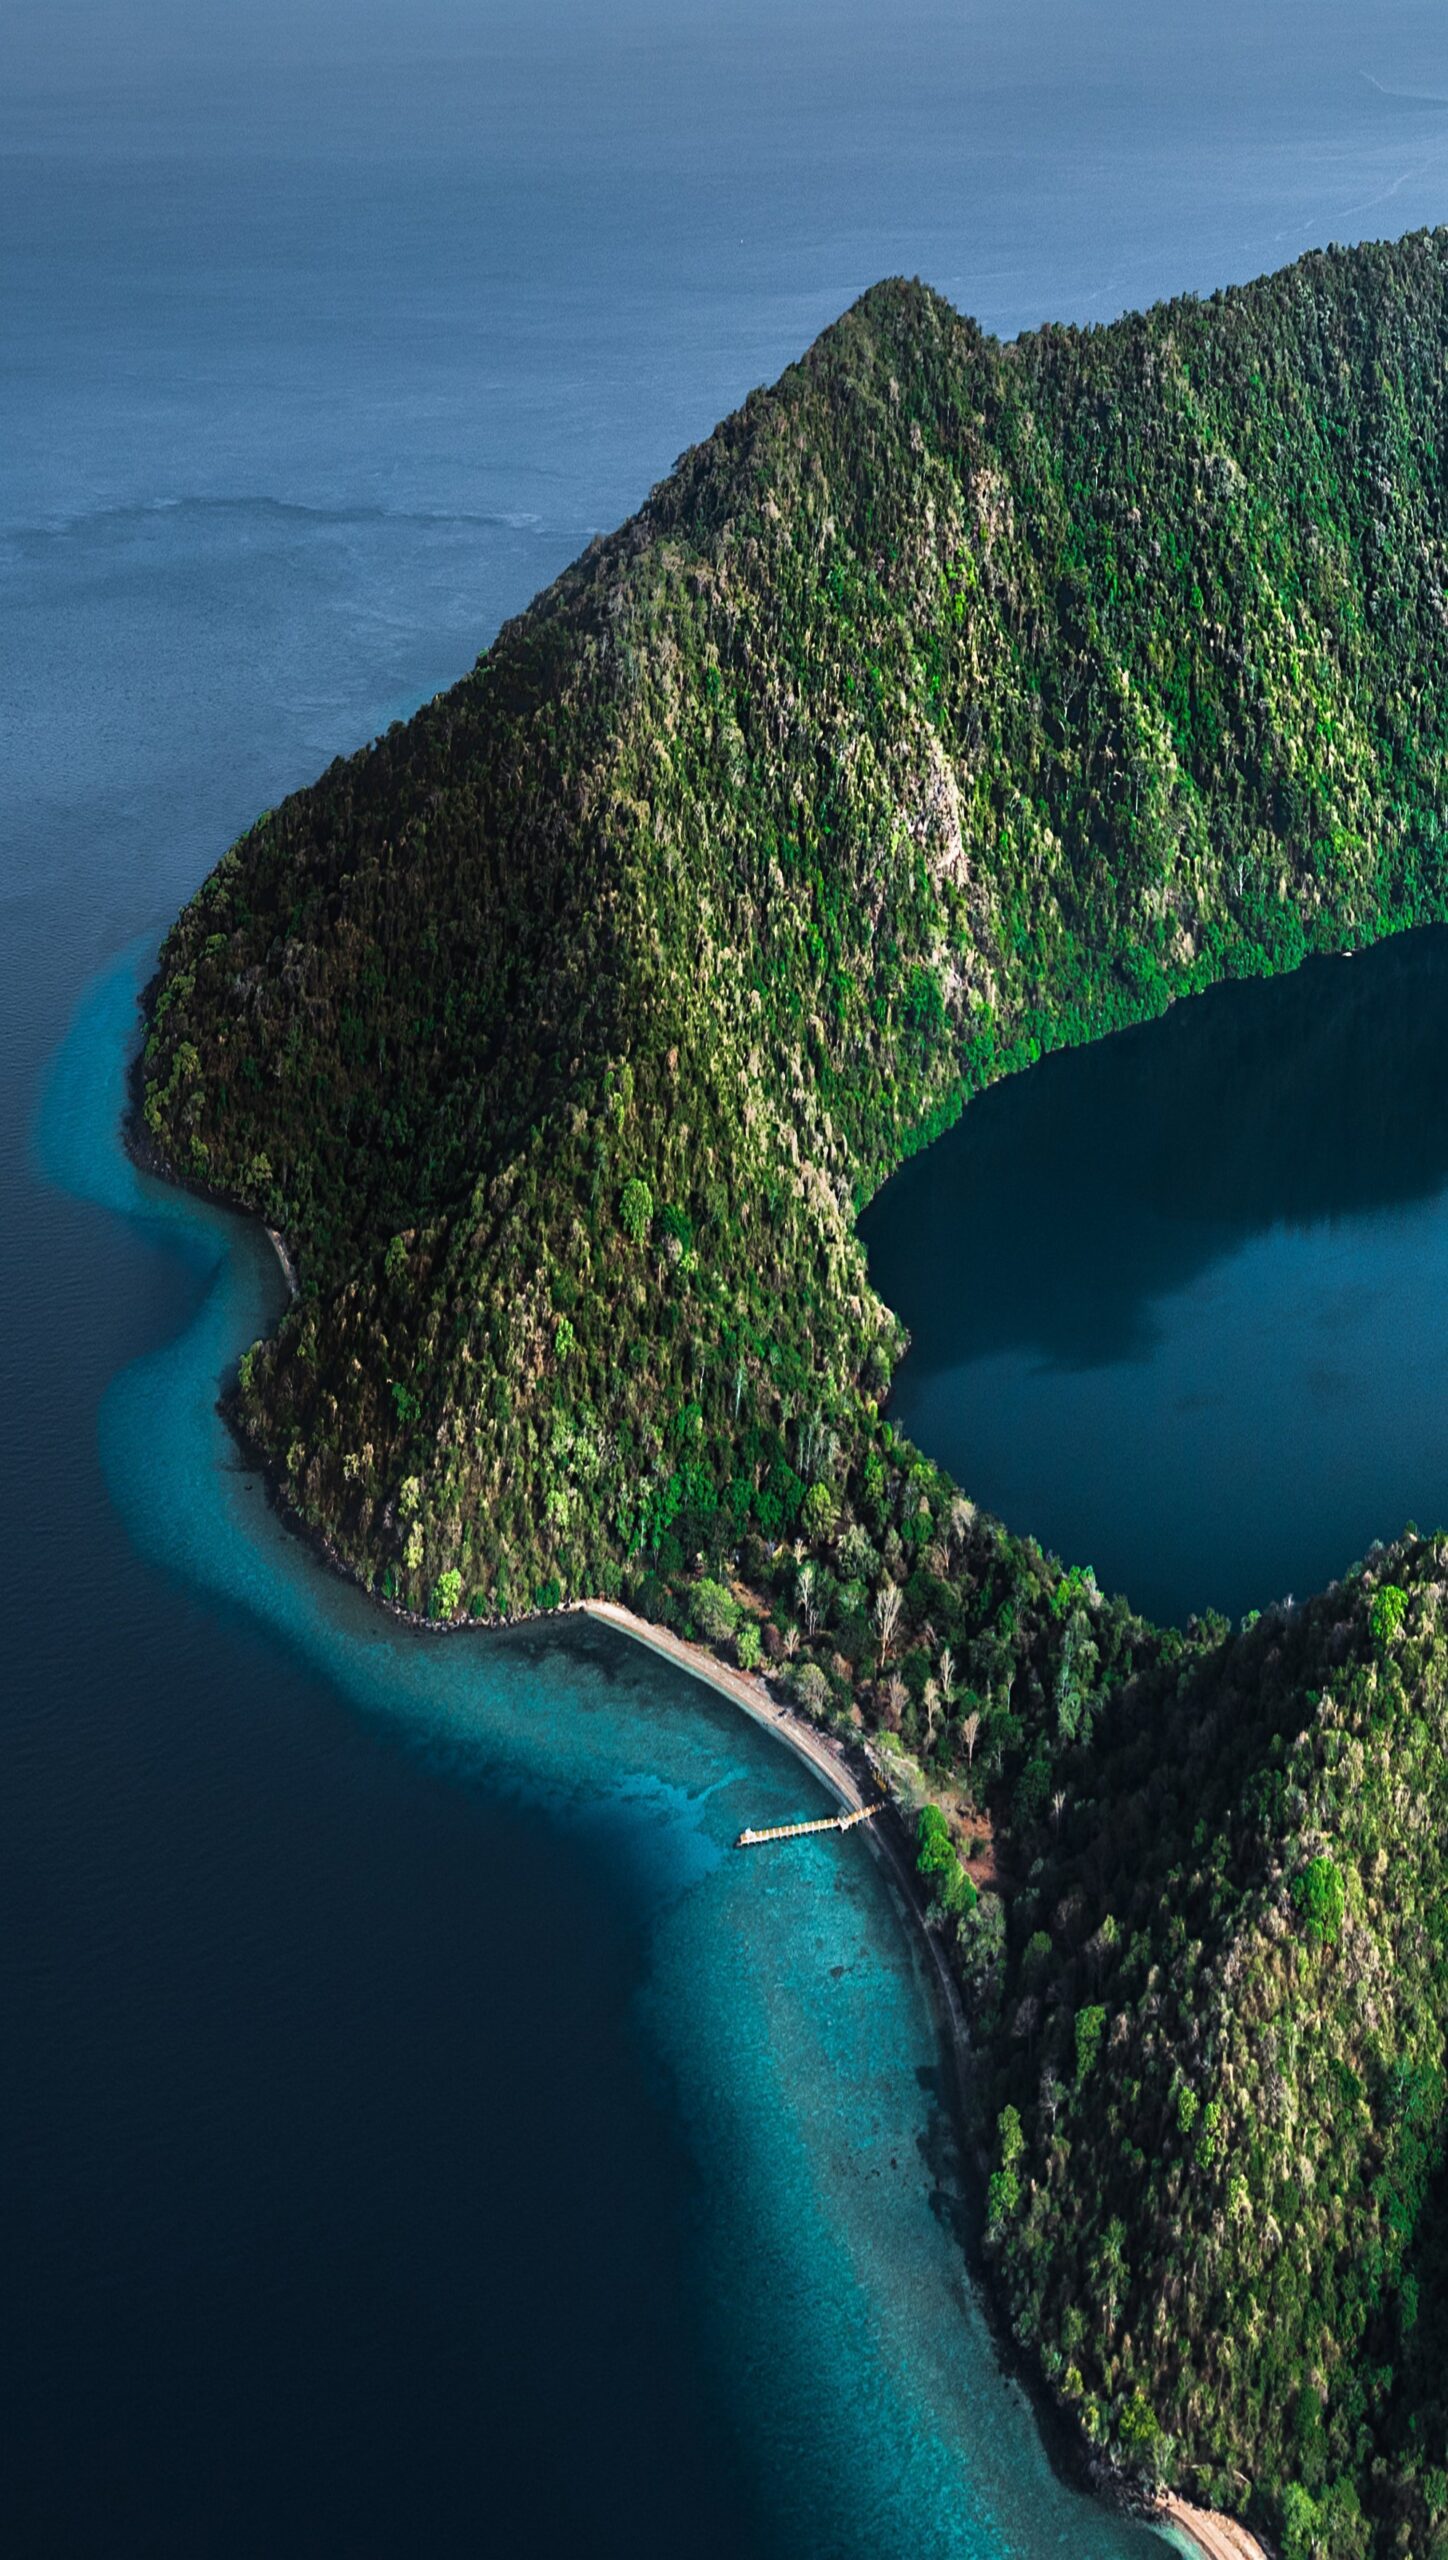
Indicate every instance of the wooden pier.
{"type": "Point", "coordinates": [798, 1830]}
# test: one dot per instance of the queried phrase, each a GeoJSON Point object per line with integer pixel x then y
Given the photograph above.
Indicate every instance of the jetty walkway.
{"type": "Point", "coordinates": [797, 1830]}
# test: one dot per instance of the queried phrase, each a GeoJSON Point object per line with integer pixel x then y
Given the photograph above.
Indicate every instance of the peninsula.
{"type": "Point", "coordinates": [953, 701]}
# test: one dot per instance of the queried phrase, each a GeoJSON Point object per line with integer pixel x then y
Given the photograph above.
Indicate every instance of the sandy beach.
{"type": "Point", "coordinates": [1220, 2537]}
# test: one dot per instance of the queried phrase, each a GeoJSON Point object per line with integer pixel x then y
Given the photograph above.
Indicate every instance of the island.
{"type": "Point", "coordinates": [953, 701]}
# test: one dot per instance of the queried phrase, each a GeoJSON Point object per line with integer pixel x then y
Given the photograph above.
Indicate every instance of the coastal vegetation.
{"type": "Point", "coordinates": [954, 701]}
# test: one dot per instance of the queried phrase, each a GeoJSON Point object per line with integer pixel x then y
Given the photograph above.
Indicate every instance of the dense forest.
{"type": "Point", "coordinates": [953, 701]}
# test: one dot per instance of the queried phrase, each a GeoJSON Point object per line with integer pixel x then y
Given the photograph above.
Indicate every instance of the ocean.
{"type": "Point", "coordinates": [422, 2134]}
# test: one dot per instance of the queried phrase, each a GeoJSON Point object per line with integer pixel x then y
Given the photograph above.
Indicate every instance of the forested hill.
{"type": "Point", "coordinates": [952, 701]}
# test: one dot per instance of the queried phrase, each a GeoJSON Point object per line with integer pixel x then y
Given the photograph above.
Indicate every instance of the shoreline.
{"type": "Point", "coordinates": [743, 1687]}
{"type": "Point", "coordinates": [289, 1268]}
{"type": "Point", "coordinates": [1214, 2535]}
{"type": "Point", "coordinates": [748, 1690]}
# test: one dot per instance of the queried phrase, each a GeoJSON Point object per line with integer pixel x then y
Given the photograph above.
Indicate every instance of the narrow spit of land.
{"type": "Point", "coordinates": [1218, 2537]}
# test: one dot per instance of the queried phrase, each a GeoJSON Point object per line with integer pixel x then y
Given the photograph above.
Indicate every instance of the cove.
{"type": "Point", "coordinates": [1178, 1301]}
{"type": "Point", "coordinates": [828, 2382]}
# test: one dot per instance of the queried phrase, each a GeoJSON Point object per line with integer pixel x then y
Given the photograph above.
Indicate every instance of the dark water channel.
{"type": "Point", "coordinates": [1179, 1301]}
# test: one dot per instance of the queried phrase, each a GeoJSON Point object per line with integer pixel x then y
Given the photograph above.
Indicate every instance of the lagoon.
{"type": "Point", "coordinates": [1179, 1300]}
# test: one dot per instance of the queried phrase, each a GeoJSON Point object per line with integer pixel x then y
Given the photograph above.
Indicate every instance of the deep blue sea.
{"type": "Point", "coordinates": [421, 2136]}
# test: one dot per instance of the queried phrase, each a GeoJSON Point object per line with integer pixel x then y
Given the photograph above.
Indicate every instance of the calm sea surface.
{"type": "Point", "coordinates": [420, 2135]}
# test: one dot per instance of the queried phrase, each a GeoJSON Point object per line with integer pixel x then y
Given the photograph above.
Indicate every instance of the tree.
{"type": "Point", "coordinates": [812, 1689]}
{"type": "Point", "coordinates": [447, 1593]}
{"type": "Point", "coordinates": [804, 1583]}
{"type": "Point", "coordinates": [955, 1893]}
{"type": "Point", "coordinates": [1090, 2028]}
{"type": "Point", "coordinates": [1299, 2524]}
{"type": "Point", "coordinates": [1109, 2267]}
{"type": "Point", "coordinates": [1137, 2426]}
{"type": "Point", "coordinates": [636, 1209]}
{"type": "Point", "coordinates": [715, 1610]}
{"type": "Point", "coordinates": [1003, 2195]}
{"type": "Point", "coordinates": [1321, 1896]}
{"type": "Point", "coordinates": [934, 1848]}
{"type": "Point", "coordinates": [1386, 1616]}
{"type": "Point", "coordinates": [857, 1557]}
{"type": "Point", "coordinates": [888, 1601]}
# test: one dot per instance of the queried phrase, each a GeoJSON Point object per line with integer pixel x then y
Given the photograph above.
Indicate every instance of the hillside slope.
{"type": "Point", "coordinates": [952, 701]}
{"type": "Point", "coordinates": [1219, 2207]}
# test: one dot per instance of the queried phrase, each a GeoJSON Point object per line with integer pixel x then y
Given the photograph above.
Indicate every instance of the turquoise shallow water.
{"type": "Point", "coordinates": [782, 2003]}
